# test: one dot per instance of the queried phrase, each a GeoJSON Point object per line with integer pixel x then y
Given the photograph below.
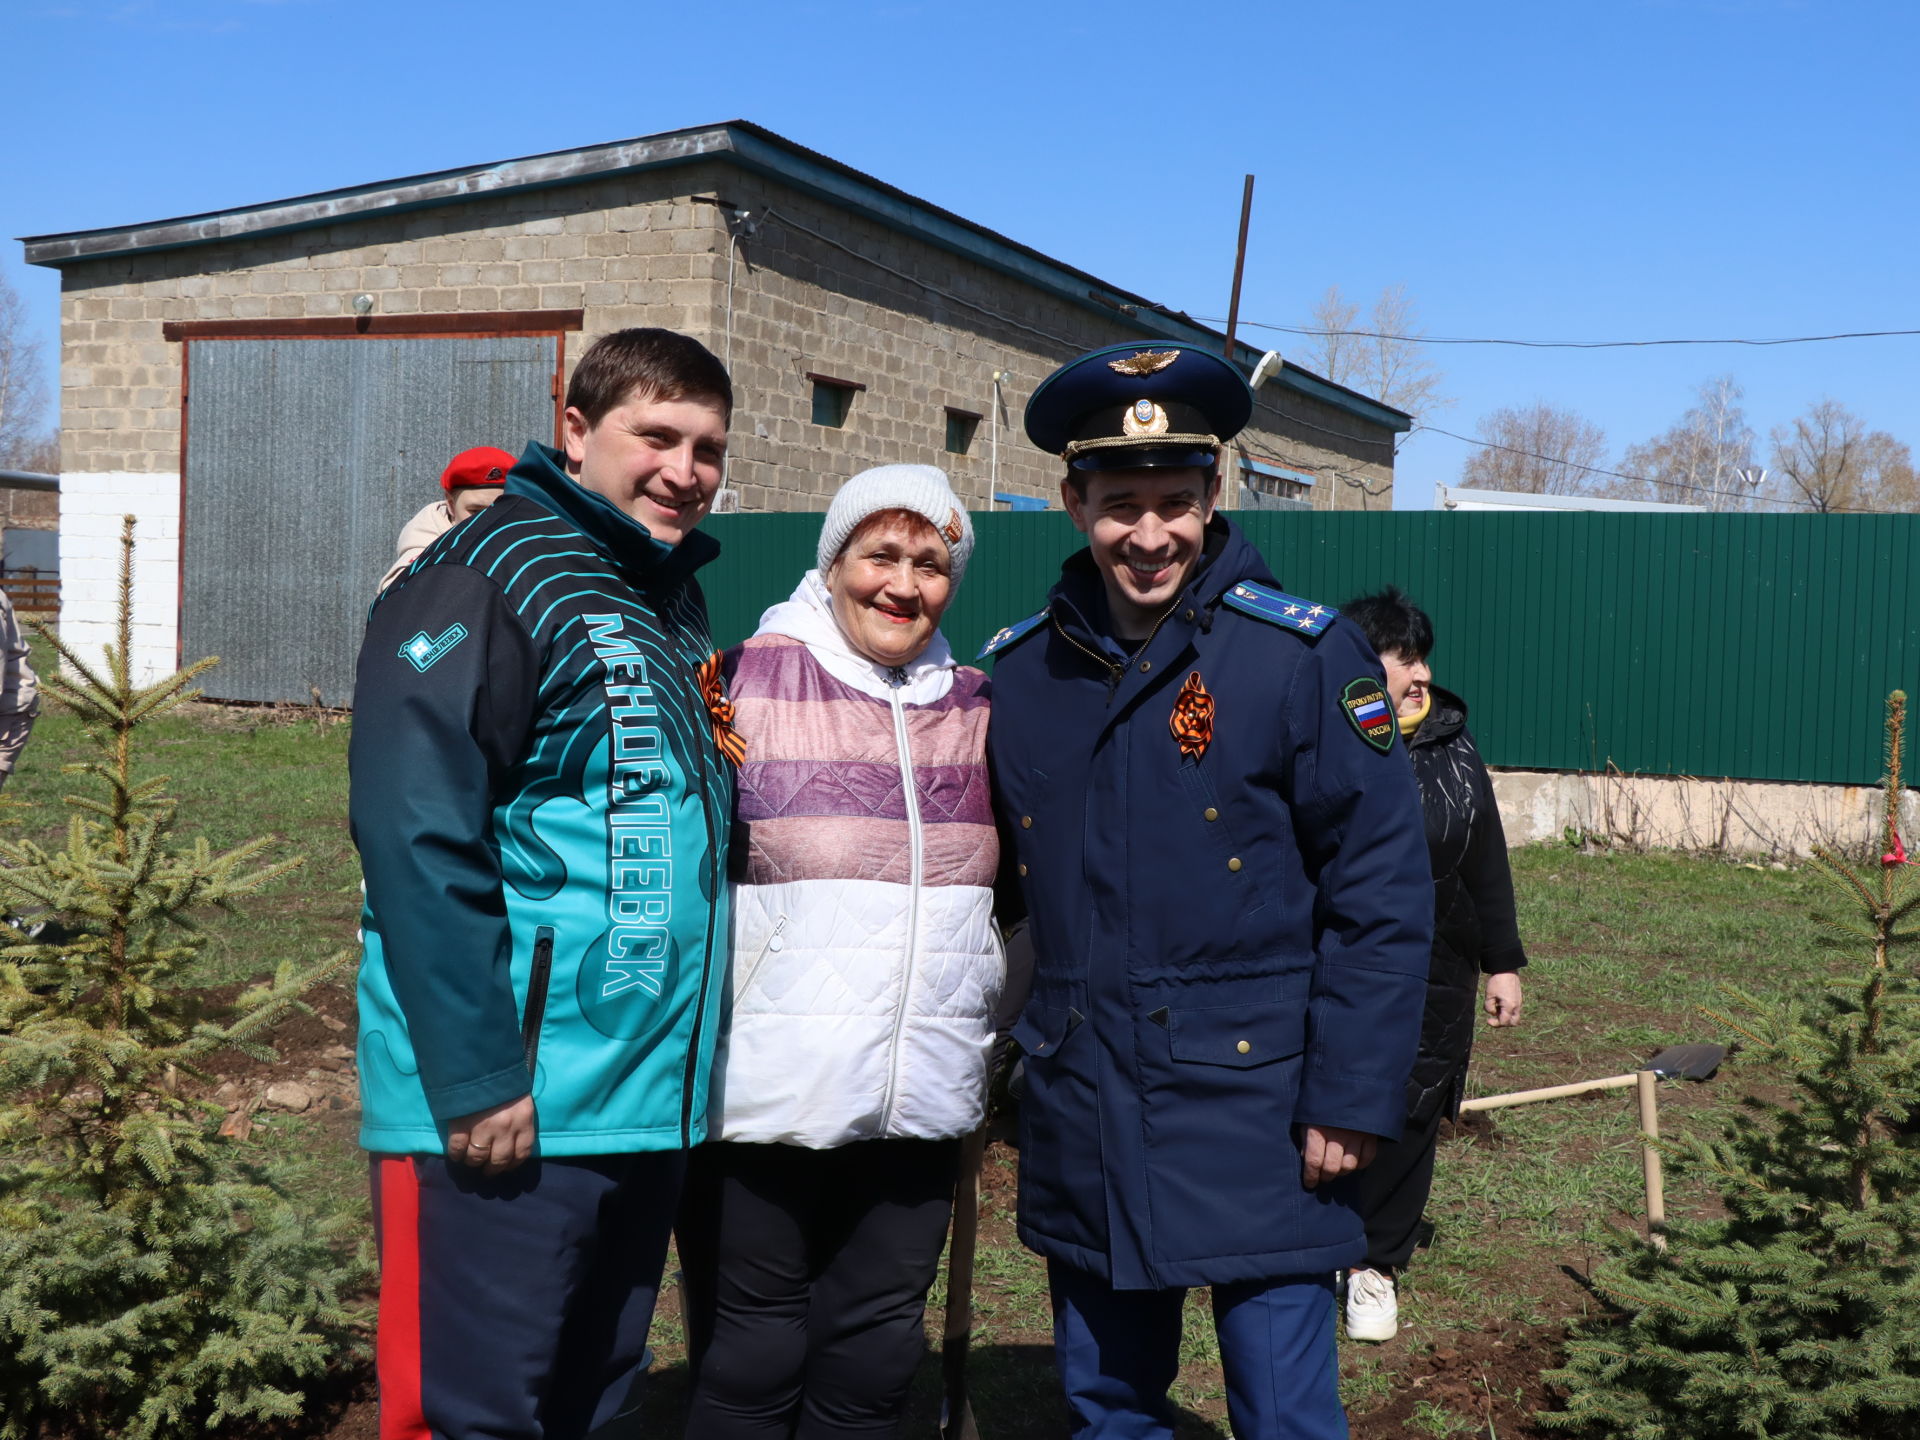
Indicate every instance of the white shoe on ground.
{"type": "Point", "coordinates": [1373, 1306]}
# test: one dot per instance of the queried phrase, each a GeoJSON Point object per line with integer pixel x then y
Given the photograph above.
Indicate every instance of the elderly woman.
{"type": "Point", "coordinates": [1474, 934]}
{"type": "Point", "coordinates": [866, 969]}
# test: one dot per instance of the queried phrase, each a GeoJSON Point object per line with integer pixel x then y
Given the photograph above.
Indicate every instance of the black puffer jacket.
{"type": "Point", "coordinates": [1474, 930]}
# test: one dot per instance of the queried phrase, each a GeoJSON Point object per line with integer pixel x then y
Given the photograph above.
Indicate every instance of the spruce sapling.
{"type": "Point", "coordinates": [153, 1283]}
{"type": "Point", "coordinates": [1797, 1316]}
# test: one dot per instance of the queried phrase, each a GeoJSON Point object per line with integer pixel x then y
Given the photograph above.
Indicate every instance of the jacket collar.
{"type": "Point", "coordinates": [807, 616]}
{"type": "Point", "coordinates": [541, 477]}
{"type": "Point", "coordinates": [1446, 719]}
{"type": "Point", "coordinates": [1079, 599]}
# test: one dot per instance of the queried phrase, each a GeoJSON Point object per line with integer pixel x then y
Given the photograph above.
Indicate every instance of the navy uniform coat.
{"type": "Point", "coordinates": [1227, 948]}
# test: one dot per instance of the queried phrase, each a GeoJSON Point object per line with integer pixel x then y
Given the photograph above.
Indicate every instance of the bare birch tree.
{"type": "Point", "coordinates": [1700, 459]}
{"type": "Point", "coordinates": [22, 395]}
{"type": "Point", "coordinates": [1538, 449]}
{"type": "Point", "coordinates": [1827, 460]}
{"type": "Point", "coordinates": [1382, 357]}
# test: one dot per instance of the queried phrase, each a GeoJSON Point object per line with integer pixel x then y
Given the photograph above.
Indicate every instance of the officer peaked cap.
{"type": "Point", "coordinates": [1149, 403]}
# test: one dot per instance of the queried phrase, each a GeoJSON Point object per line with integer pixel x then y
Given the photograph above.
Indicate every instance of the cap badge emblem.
{"type": "Point", "coordinates": [1144, 362]}
{"type": "Point", "coordinates": [1144, 418]}
{"type": "Point", "coordinates": [953, 529]}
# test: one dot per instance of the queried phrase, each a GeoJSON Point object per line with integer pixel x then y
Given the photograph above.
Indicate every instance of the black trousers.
{"type": "Point", "coordinates": [806, 1275]}
{"type": "Point", "coordinates": [1391, 1193]}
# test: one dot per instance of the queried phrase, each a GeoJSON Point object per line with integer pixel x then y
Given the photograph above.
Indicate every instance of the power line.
{"type": "Point", "coordinates": [1640, 479]}
{"type": "Point", "coordinates": [1557, 344]}
{"type": "Point", "coordinates": [787, 220]}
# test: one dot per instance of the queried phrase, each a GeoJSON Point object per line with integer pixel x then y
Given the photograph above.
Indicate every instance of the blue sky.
{"type": "Point", "coordinates": [1557, 169]}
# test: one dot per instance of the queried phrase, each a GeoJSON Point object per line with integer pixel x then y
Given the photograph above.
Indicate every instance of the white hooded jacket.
{"type": "Point", "coordinates": [866, 965]}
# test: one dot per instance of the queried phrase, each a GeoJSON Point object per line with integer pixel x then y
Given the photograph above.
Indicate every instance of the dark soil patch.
{"type": "Point", "coordinates": [1474, 1128]}
{"type": "Point", "coordinates": [1493, 1376]}
{"type": "Point", "coordinates": [302, 1041]}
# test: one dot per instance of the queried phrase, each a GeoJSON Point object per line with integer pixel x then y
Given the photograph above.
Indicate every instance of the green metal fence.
{"type": "Point", "coordinates": [1753, 646]}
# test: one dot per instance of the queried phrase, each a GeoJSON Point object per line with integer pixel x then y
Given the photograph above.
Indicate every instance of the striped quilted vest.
{"type": "Point", "coordinates": [866, 964]}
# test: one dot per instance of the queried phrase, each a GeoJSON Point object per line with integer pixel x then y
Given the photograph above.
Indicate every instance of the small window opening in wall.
{"type": "Point", "coordinates": [833, 399]}
{"type": "Point", "coordinates": [961, 425]}
{"type": "Point", "coordinates": [1270, 477]}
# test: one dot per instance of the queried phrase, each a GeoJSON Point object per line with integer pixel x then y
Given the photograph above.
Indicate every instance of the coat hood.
{"type": "Point", "coordinates": [1446, 719]}
{"type": "Point", "coordinates": [807, 616]}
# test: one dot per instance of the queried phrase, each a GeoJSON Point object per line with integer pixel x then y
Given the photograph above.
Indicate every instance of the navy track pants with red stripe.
{"type": "Point", "coordinates": [518, 1305]}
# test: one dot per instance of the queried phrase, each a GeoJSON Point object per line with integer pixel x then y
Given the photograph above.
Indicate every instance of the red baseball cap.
{"type": "Point", "coordinates": [482, 465]}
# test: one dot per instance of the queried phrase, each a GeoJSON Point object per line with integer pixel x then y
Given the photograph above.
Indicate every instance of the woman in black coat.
{"type": "Point", "coordinates": [1475, 934]}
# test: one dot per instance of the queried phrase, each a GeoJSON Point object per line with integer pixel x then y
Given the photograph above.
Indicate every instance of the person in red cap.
{"type": "Point", "coordinates": [472, 481]}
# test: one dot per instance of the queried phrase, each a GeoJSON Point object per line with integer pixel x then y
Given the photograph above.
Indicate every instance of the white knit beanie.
{"type": "Point", "coordinates": [921, 489]}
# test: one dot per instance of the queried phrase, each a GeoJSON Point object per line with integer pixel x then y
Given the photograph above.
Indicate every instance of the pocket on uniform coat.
{"type": "Point", "coordinates": [1060, 1191]}
{"type": "Point", "coordinates": [1042, 1029]}
{"type": "Point", "coordinates": [1222, 1165]}
{"type": "Point", "coordinates": [1240, 1036]}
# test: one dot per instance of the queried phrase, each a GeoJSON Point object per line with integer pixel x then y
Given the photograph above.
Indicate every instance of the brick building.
{"type": "Point", "coordinates": [364, 334]}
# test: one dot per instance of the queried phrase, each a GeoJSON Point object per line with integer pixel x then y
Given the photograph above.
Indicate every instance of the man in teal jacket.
{"type": "Point", "coordinates": [541, 789]}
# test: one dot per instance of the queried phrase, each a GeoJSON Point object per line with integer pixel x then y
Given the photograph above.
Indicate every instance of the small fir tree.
{"type": "Point", "coordinates": [1796, 1317]}
{"type": "Point", "coordinates": [153, 1283]}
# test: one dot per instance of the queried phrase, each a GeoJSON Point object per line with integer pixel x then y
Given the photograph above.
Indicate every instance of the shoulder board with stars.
{"type": "Point", "coordinates": [1011, 634]}
{"type": "Point", "coordinates": [1290, 612]}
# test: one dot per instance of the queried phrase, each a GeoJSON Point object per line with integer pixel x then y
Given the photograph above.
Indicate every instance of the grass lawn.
{"type": "Point", "coordinates": [1626, 949]}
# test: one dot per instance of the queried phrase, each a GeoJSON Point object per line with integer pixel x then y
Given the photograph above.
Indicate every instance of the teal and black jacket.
{"type": "Point", "coordinates": [542, 820]}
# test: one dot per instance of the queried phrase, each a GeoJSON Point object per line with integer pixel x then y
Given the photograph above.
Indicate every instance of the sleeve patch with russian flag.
{"type": "Point", "coordinates": [1366, 705]}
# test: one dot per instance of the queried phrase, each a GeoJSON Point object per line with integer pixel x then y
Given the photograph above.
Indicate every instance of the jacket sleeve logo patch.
{"type": "Point", "coordinates": [424, 650]}
{"type": "Point", "coordinates": [1192, 718]}
{"type": "Point", "coordinates": [1366, 706]}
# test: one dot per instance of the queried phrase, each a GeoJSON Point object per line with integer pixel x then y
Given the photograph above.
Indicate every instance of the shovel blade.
{"type": "Point", "coordinates": [1687, 1062]}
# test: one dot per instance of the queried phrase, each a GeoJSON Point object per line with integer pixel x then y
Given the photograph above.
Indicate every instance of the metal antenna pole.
{"type": "Point", "coordinates": [1227, 495]}
{"type": "Point", "coordinates": [1239, 265]}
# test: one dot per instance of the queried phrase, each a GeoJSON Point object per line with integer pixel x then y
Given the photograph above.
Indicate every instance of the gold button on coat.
{"type": "Point", "coordinates": [1023, 869]}
{"type": "Point", "coordinates": [1210, 813]}
{"type": "Point", "coordinates": [1234, 864]}
{"type": "Point", "coordinates": [1243, 1047]}
{"type": "Point", "coordinates": [1026, 822]}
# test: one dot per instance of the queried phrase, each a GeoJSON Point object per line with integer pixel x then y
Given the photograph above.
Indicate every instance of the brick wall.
{"type": "Point", "coordinates": [29, 509]}
{"type": "Point", "coordinates": [91, 506]}
{"type": "Point", "coordinates": [815, 288]}
{"type": "Point", "coordinates": [1350, 460]}
{"type": "Point", "coordinates": [925, 330]}
{"type": "Point", "coordinates": [631, 251]}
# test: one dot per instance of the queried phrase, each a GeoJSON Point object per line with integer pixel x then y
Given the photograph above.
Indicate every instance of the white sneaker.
{"type": "Point", "coordinates": [1373, 1306]}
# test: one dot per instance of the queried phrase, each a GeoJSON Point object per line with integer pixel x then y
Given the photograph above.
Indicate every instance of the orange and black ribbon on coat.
{"type": "Point", "coordinates": [1192, 718]}
{"type": "Point", "coordinates": [713, 690]}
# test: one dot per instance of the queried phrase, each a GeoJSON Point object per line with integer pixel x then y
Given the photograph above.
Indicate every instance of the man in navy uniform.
{"type": "Point", "coordinates": [1217, 838]}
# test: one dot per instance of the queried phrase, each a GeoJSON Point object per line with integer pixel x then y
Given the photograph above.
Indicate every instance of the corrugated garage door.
{"type": "Point", "coordinates": [304, 459]}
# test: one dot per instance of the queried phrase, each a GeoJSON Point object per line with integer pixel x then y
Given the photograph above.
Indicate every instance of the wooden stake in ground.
{"type": "Point", "coordinates": [1647, 1082]}
{"type": "Point", "coordinates": [1690, 1062]}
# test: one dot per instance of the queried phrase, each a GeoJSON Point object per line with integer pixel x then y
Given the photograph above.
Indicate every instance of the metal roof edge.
{"type": "Point", "coordinates": [741, 142]}
{"type": "Point", "coordinates": [386, 197]}
{"type": "Point", "coordinates": [779, 158]}
{"type": "Point", "coordinates": [1340, 397]}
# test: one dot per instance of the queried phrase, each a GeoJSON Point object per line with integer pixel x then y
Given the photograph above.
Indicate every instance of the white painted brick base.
{"type": "Point", "coordinates": [91, 507]}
